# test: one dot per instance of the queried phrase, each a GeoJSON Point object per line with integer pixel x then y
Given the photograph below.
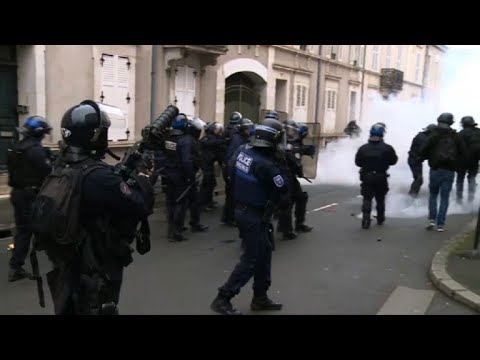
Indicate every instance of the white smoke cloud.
{"type": "Point", "coordinates": [404, 119]}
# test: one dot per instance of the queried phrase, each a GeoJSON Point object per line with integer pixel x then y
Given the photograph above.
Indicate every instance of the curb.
{"type": "Point", "coordinates": [443, 281]}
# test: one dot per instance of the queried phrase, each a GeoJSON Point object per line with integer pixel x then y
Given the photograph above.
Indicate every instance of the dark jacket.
{"type": "Point", "coordinates": [431, 150]}
{"type": "Point", "coordinates": [417, 144]}
{"type": "Point", "coordinates": [376, 156]}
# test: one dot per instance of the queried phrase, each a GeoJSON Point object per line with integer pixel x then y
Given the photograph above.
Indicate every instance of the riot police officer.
{"type": "Point", "coordinates": [180, 171]}
{"type": "Point", "coordinates": [87, 275]}
{"type": "Point", "coordinates": [239, 137]}
{"type": "Point", "coordinates": [374, 159]}
{"type": "Point", "coordinates": [293, 154]}
{"type": "Point", "coordinates": [259, 186]}
{"type": "Point", "coordinates": [28, 165]}
{"type": "Point", "coordinates": [195, 129]}
{"type": "Point", "coordinates": [469, 164]}
{"type": "Point", "coordinates": [213, 149]}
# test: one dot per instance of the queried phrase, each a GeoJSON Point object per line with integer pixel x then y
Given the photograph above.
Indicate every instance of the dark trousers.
{"type": "Point", "coordinates": [193, 205]}
{"type": "Point", "coordinates": [228, 215]}
{"type": "Point", "coordinates": [441, 182]}
{"type": "Point", "coordinates": [471, 173]}
{"type": "Point", "coordinates": [207, 186]}
{"type": "Point", "coordinates": [256, 260]}
{"type": "Point", "coordinates": [417, 171]}
{"type": "Point", "coordinates": [22, 201]}
{"type": "Point", "coordinates": [297, 198]}
{"type": "Point", "coordinates": [374, 185]}
{"type": "Point", "coordinates": [74, 293]}
{"type": "Point", "coordinates": [176, 211]}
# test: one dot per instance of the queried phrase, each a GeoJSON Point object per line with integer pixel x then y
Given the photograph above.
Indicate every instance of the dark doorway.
{"type": "Point", "coordinates": [242, 93]}
{"type": "Point", "coordinates": [8, 100]}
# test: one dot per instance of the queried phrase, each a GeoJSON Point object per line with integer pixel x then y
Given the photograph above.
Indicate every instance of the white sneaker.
{"type": "Point", "coordinates": [440, 229]}
{"type": "Point", "coordinates": [431, 224]}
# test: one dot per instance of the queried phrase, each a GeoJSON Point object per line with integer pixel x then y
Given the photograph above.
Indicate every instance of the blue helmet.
{"type": "Point", "coordinates": [35, 126]}
{"type": "Point", "coordinates": [377, 130]}
{"type": "Point", "coordinates": [302, 130]}
{"type": "Point", "coordinates": [180, 122]}
{"type": "Point", "coordinates": [272, 115]}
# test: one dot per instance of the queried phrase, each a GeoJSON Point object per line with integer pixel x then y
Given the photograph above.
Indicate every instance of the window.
{"type": "Point", "coordinates": [185, 89]}
{"type": "Point", "coordinates": [303, 47]}
{"type": "Point", "coordinates": [332, 51]}
{"type": "Point", "coordinates": [375, 54]}
{"type": "Point", "coordinates": [339, 53]}
{"type": "Point", "coordinates": [300, 108]}
{"type": "Point", "coordinates": [399, 56]}
{"type": "Point", "coordinates": [331, 100]}
{"type": "Point", "coordinates": [114, 91]}
{"type": "Point", "coordinates": [301, 95]}
{"type": "Point", "coordinates": [356, 55]}
{"type": "Point", "coordinates": [417, 68]}
{"type": "Point", "coordinates": [388, 57]}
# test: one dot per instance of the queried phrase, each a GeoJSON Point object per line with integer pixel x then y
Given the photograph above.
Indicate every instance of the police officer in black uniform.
{"type": "Point", "coordinates": [415, 161]}
{"type": "Point", "coordinates": [213, 147]}
{"type": "Point", "coordinates": [194, 130]}
{"type": "Point", "coordinates": [239, 137]}
{"type": "Point", "coordinates": [89, 277]}
{"type": "Point", "coordinates": [293, 154]}
{"type": "Point", "coordinates": [259, 186]}
{"type": "Point", "coordinates": [469, 164]}
{"type": "Point", "coordinates": [28, 165]}
{"type": "Point", "coordinates": [374, 159]}
{"type": "Point", "coordinates": [180, 171]}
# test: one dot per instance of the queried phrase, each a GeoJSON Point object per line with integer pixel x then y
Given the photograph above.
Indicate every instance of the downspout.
{"type": "Point", "coordinates": [363, 83]}
{"type": "Point", "coordinates": [317, 103]}
{"type": "Point", "coordinates": [154, 85]}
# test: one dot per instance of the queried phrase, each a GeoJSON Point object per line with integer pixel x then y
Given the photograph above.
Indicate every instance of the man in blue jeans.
{"type": "Point", "coordinates": [444, 150]}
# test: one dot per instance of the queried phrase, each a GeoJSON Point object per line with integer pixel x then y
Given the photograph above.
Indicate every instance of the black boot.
{"type": "Point", "coordinates": [223, 306]}
{"type": "Point", "coordinates": [303, 228]}
{"type": "Point", "coordinates": [177, 236]}
{"type": "Point", "coordinates": [264, 303]}
{"type": "Point", "coordinates": [289, 235]}
{"type": "Point", "coordinates": [366, 221]}
{"type": "Point", "coordinates": [198, 228]}
{"type": "Point", "coordinates": [380, 220]}
{"type": "Point", "coordinates": [17, 274]}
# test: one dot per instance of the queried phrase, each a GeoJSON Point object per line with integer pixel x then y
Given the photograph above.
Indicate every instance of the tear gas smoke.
{"type": "Point", "coordinates": [404, 119]}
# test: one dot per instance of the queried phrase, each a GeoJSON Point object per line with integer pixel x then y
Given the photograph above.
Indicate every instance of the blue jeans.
{"type": "Point", "coordinates": [441, 181]}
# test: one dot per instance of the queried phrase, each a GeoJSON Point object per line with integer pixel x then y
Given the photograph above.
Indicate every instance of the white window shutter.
{"type": "Point", "coordinates": [115, 81]}
{"type": "Point", "coordinates": [185, 85]}
{"type": "Point", "coordinates": [328, 51]}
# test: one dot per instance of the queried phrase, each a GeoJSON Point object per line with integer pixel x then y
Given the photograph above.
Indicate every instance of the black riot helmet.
{"type": "Point", "coordinates": [86, 126]}
{"type": "Point", "coordinates": [214, 128]}
{"type": "Point", "coordinates": [245, 125]}
{"type": "Point", "coordinates": [445, 118]}
{"type": "Point", "coordinates": [35, 126]}
{"type": "Point", "coordinates": [235, 117]}
{"type": "Point", "coordinates": [468, 121]}
{"type": "Point", "coordinates": [292, 129]}
{"type": "Point", "coordinates": [269, 133]}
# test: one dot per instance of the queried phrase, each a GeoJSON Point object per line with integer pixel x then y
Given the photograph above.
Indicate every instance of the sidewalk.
{"type": "Point", "coordinates": [455, 269]}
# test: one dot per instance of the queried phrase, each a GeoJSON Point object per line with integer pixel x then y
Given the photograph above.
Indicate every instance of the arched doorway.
{"type": "Point", "coordinates": [243, 93]}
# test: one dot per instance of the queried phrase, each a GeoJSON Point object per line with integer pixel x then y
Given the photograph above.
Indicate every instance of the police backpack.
{"type": "Point", "coordinates": [55, 213]}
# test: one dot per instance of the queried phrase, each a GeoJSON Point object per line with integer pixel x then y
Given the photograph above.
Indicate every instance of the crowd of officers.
{"type": "Point", "coordinates": [448, 153]}
{"type": "Point", "coordinates": [260, 166]}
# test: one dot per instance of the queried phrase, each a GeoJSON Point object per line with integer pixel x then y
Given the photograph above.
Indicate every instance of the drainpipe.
{"type": "Point", "coordinates": [363, 82]}
{"type": "Point", "coordinates": [317, 103]}
{"type": "Point", "coordinates": [425, 71]}
{"type": "Point", "coordinates": [154, 86]}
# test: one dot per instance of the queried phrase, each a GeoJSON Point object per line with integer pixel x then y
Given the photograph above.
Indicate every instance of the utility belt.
{"type": "Point", "coordinates": [373, 175]}
{"type": "Point", "coordinates": [32, 189]}
{"type": "Point", "coordinates": [254, 209]}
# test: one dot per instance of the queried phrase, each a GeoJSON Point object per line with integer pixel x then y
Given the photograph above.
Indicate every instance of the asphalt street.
{"type": "Point", "coordinates": [338, 268]}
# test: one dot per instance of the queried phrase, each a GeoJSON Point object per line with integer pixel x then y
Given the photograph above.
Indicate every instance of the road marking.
{"type": "Point", "coordinates": [325, 207]}
{"type": "Point", "coordinates": [407, 301]}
